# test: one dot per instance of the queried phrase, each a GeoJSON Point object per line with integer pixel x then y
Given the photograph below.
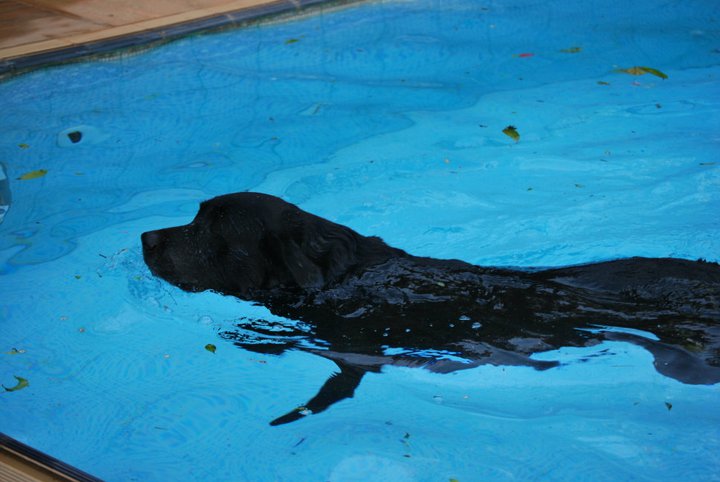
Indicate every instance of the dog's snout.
{"type": "Point", "coordinates": [151, 240]}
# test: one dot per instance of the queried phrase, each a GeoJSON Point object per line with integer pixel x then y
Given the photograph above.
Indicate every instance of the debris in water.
{"type": "Point", "coordinates": [511, 132]}
{"type": "Point", "coordinates": [21, 383]}
{"type": "Point", "coordinates": [32, 175]}
{"type": "Point", "coordinates": [637, 70]}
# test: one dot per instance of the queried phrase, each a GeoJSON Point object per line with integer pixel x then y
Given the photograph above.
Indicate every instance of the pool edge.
{"type": "Point", "coordinates": [154, 31]}
{"type": "Point", "coordinates": [22, 463]}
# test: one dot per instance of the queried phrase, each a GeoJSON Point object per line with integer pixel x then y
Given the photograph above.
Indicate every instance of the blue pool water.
{"type": "Point", "coordinates": [387, 117]}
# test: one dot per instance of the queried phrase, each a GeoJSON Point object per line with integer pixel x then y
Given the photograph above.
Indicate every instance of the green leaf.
{"type": "Point", "coordinates": [210, 347]}
{"type": "Point", "coordinates": [655, 72]}
{"type": "Point", "coordinates": [32, 175]}
{"type": "Point", "coordinates": [24, 146]}
{"type": "Point", "coordinates": [22, 383]}
{"type": "Point", "coordinates": [291, 41]}
{"type": "Point", "coordinates": [511, 132]}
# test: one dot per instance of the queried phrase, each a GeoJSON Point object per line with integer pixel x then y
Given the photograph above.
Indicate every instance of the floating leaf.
{"type": "Point", "coordinates": [572, 50]}
{"type": "Point", "coordinates": [655, 72]}
{"type": "Point", "coordinates": [22, 383]}
{"type": "Point", "coordinates": [32, 175]}
{"type": "Point", "coordinates": [602, 82]}
{"type": "Point", "coordinates": [511, 132]}
{"type": "Point", "coordinates": [291, 41]}
{"type": "Point", "coordinates": [632, 71]}
{"type": "Point", "coordinates": [24, 146]}
{"type": "Point", "coordinates": [637, 70]}
{"type": "Point", "coordinates": [15, 351]}
{"type": "Point", "coordinates": [210, 347]}
{"type": "Point", "coordinates": [524, 55]}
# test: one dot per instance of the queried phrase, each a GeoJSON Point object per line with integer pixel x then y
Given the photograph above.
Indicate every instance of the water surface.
{"type": "Point", "coordinates": [387, 117]}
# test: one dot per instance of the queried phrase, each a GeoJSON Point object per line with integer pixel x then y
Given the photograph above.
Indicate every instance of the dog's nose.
{"type": "Point", "coordinates": [151, 240]}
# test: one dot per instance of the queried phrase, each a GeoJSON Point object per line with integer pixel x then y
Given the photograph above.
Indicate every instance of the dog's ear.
{"type": "Point", "coordinates": [314, 250]}
{"type": "Point", "coordinates": [332, 247]}
{"type": "Point", "coordinates": [302, 269]}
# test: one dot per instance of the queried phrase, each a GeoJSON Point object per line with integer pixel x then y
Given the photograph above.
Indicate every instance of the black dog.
{"type": "Point", "coordinates": [357, 297]}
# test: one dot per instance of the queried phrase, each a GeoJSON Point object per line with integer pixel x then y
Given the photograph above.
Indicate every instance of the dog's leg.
{"type": "Point", "coordinates": [339, 386]}
{"type": "Point", "coordinates": [697, 367]}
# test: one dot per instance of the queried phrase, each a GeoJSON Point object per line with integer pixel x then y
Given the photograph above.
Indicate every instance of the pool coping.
{"type": "Point", "coordinates": [23, 463]}
{"type": "Point", "coordinates": [147, 32]}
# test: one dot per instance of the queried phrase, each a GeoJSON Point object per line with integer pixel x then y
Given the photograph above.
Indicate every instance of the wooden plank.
{"type": "Point", "coordinates": [123, 12]}
{"type": "Point", "coordinates": [21, 24]}
{"type": "Point", "coordinates": [21, 463]}
{"type": "Point", "coordinates": [96, 34]}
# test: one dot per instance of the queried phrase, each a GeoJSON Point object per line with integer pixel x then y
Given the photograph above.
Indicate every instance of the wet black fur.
{"type": "Point", "coordinates": [358, 295]}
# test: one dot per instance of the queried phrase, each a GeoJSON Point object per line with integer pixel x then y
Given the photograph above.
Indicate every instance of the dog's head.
{"type": "Point", "coordinates": [245, 242]}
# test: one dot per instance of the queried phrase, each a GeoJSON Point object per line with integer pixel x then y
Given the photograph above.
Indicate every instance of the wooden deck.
{"type": "Point", "coordinates": [45, 29]}
{"type": "Point", "coordinates": [20, 463]}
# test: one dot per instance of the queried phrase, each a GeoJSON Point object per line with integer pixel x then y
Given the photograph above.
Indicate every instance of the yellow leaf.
{"type": "Point", "coordinates": [210, 347]}
{"type": "Point", "coordinates": [511, 132]}
{"type": "Point", "coordinates": [637, 70]}
{"type": "Point", "coordinates": [32, 175]}
{"type": "Point", "coordinates": [22, 383]}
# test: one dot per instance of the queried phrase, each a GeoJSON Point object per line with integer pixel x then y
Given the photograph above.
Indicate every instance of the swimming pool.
{"type": "Point", "coordinates": [387, 117]}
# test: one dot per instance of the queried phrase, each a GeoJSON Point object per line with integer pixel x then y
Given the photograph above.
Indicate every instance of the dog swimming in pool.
{"type": "Point", "coordinates": [356, 297]}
